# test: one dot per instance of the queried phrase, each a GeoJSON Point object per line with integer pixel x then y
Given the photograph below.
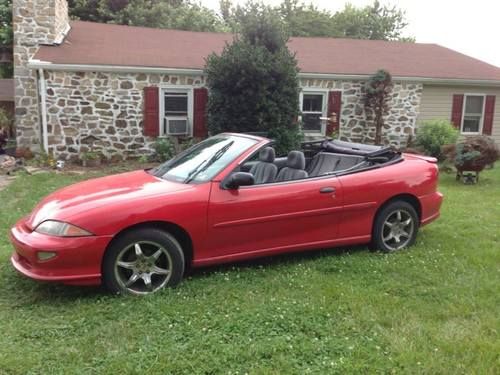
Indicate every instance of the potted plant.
{"type": "Point", "coordinates": [91, 159]}
{"type": "Point", "coordinates": [472, 154]}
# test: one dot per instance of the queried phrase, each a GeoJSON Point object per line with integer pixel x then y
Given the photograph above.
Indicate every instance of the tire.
{"type": "Point", "coordinates": [142, 262]}
{"type": "Point", "coordinates": [390, 233]}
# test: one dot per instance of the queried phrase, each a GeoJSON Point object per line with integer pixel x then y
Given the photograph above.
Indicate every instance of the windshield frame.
{"type": "Point", "coordinates": [221, 172]}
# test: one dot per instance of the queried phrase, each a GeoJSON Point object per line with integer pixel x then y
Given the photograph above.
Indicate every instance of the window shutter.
{"type": "Point", "coordinates": [200, 112]}
{"type": "Point", "coordinates": [151, 111]}
{"type": "Point", "coordinates": [456, 110]}
{"type": "Point", "coordinates": [489, 110]}
{"type": "Point", "coordinates": [334, 103]}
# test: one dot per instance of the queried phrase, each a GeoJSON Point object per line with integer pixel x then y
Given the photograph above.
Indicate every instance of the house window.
{"type": "Point", "coordinates": [177, 112]}
{"type": "Point", "coordinates": [472, 119]}
{"type": "Point", "coordinates": [313, 106]}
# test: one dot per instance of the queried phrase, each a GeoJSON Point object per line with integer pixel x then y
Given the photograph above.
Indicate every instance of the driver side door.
{"type": "Point", "coordinates": [272, 218]}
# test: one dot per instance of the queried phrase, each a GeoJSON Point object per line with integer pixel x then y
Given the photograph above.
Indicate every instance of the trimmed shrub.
{"type": "Point", "coordinates": [434, 134]}
{"type": "Point", "coordinates": [164, 150]}
{"type": "Point", "coordinates": [254, 86]}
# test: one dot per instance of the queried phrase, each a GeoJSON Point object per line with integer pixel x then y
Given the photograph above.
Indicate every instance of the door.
{"type": "Point", "coordinates": [273, 217]}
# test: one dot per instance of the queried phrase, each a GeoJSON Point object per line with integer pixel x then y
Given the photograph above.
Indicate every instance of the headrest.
{"type": "Point", "coordinates": [296, 160]}
{"type": "Point", "coordinates": [267, 155]}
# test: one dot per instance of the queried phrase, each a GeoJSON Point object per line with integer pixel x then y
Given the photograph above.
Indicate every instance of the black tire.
{"type": "Point", "coordinates": [399, 236]}
{"type": "Point", "coordinates": [142, 261]}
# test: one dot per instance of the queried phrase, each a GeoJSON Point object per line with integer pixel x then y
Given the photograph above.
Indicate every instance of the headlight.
{"type": "Point", "coordinates": [61, 229]}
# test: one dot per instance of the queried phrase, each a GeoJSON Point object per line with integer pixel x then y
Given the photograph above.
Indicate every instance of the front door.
{"type": "Point", "coordinates": [277, 216]}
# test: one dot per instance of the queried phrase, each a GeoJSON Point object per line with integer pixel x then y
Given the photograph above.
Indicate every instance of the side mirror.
{"type": "Point", "coordinates": [239, 179]}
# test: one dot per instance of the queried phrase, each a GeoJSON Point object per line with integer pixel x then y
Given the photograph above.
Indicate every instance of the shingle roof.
{"type": "Point", "coordinates": [103, 44]}
{"type": "Point", "coordinates": [6, 90]}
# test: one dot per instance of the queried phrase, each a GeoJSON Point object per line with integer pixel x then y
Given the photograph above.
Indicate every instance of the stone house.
{"type": "Point", "coordinates": [126, 85]}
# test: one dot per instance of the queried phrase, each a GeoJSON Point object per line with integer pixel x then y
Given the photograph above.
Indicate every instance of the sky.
{"type": "Point", "coordinates": [469, 27]}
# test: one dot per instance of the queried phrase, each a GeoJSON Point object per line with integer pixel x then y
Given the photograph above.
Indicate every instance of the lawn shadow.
{"type": "Point", "coordinates": [276, 261]}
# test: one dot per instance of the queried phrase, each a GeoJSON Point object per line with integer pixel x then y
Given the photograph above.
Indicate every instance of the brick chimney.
{"type": "Point", "coordinates": [35, 23]}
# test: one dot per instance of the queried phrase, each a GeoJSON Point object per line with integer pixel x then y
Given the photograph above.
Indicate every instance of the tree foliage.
{"type": "Point", "coordinates": [6, 36]}
{"type": "Point", "coordinates": [377, 95]}
{"type": "Point", "coordinates": [254, 83]}
{"type": "Point", "coordinates": [373, 21]}
{"type": "Point", "coordinates": [300, 19]}
{"type": "Point", "coordinates": [168, 14]}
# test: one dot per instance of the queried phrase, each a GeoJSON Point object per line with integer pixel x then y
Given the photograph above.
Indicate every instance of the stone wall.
{"type": "Point", "coordinates": [357, 126]}
{"type": "Point", "coordinates": [106, 110]}
{"type": "Point", "coordinates": [108, 107]}
{"type": "Point", "coordinates": [35, 22]}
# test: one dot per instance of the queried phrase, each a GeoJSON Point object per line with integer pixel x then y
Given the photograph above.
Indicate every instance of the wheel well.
{"type": "Point", "coordinates": [175, 230]}
{"type": "Point", "coordinates": [408, 198]}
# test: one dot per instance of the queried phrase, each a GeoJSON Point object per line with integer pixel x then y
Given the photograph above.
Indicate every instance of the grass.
{"type": "Point", "coordinates": [433, 309]}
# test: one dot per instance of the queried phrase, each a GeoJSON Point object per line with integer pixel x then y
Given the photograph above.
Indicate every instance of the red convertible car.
{"type": "Point", "coordinates": [225, 199]}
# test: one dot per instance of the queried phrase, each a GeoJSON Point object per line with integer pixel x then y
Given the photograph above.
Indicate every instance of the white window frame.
{"type": "Point", "coordinates": [481, 121]}
{"type": "Point", "coordinates": [177, 89]}
{"type": "Point", "coordinates": [315, 91]}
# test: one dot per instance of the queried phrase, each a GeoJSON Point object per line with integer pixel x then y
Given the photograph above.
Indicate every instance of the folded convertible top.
{"type": "Point", "coordinates": [352, 148]}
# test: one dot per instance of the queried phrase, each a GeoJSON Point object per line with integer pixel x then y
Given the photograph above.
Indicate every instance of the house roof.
{"type": "Point", "coordinates": [6, 90]}
{"type": "Point", "coordinates": [91, 43]}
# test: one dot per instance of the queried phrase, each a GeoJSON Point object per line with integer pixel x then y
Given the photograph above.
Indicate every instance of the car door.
{"type": "Point", "coordinates": [273, 217]}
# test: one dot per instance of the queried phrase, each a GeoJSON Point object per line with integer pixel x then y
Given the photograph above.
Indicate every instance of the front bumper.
{"type": "Point", "coordinates": [77, 260]}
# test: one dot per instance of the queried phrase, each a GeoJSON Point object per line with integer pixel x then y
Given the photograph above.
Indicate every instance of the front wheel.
{"type": "Point", "coordinates": [143, 261]}
{"type": "Point", "coordinates": [396, 227]}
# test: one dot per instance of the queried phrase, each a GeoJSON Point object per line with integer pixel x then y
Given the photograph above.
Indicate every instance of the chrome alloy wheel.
{"type": "Point", "coordinates": [143, 267]}
{"type": "Point", "coordinates": [398, 229]}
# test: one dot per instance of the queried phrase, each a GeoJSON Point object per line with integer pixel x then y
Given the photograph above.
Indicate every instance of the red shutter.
{"type": "Point", "coordinates": [334, 103]}
{"type": "Point", "coordinates": [151, 111]}
{"type": "Point", "coordinates": [489, 110]}
{"type": "Point", "coordinates": [200, 113]}
{"type": "Point", "coordinates": [456, 110]}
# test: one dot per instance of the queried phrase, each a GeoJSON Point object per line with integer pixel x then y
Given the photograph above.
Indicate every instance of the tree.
{"type": "Point", "coordinates": [377, 95]}
{"type": "Point", "coordinates": [254, 83]}
{"type": "Point", "coordinates": [6, 38]}
{"type": "Point", "coordinates": [169, 14]}
{"type": "Point", "coordinates": [371, 22]}
{"type": "Point", "coordinates": [299, 19]}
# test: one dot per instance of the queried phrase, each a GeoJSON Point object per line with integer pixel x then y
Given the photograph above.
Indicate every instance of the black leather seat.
{"type": "Point", "coordinates": [294, 170]}
{"type": "Point", "coordinates": [265, 171]}
{"type": "Point", "coordinates": [325, 162]}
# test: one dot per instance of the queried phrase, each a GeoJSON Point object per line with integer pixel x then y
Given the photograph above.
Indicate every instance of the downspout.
{"type": "Point", "coordinates": [43, 107]}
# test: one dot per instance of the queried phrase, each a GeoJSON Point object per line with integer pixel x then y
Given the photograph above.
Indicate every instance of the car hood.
{"type": "Point", "coordinates": [100, 192]}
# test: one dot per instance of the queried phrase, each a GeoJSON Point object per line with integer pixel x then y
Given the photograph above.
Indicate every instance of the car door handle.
{"type": "Point", "coordinates": [327, 189]}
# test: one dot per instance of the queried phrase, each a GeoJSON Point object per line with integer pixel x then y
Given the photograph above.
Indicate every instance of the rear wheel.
{"type": "Point", "coordinates": [396, 227]}
{"type": "Point", "coordinates": [143, 261]}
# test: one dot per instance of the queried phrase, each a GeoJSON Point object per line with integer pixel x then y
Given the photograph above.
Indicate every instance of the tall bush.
{"type": "Point", "coordinates": [254, 83]}
{"type": "Point", "coordinates": [432, 135]}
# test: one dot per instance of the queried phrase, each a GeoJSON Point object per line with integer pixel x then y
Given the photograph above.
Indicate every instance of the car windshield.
{"type": "Point", "coordinates": [204, 160]}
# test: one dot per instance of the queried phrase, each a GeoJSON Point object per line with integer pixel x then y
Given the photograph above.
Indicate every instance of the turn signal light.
{"type": "Point", "coordinates": [45, 255]}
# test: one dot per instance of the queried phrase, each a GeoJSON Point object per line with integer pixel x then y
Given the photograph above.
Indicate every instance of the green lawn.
{"type": "Point", "coordinates": [433, 309]}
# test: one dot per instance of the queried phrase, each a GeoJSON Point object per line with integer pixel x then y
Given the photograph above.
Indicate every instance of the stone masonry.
{"type": "Point", "coordinates": [35, 22]}
{"type": "Point", "coordinates": [102, 111]}
{"type": "Point", "coordinates": [357, 126]}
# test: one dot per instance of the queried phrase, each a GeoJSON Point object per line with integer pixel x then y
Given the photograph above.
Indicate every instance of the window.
{"type": "Point", "coordinates": [472, 119]}
{"type": "Point", "coordinates": [176, 109]}
{"type": "Point", "coordinates": [313, 106]}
